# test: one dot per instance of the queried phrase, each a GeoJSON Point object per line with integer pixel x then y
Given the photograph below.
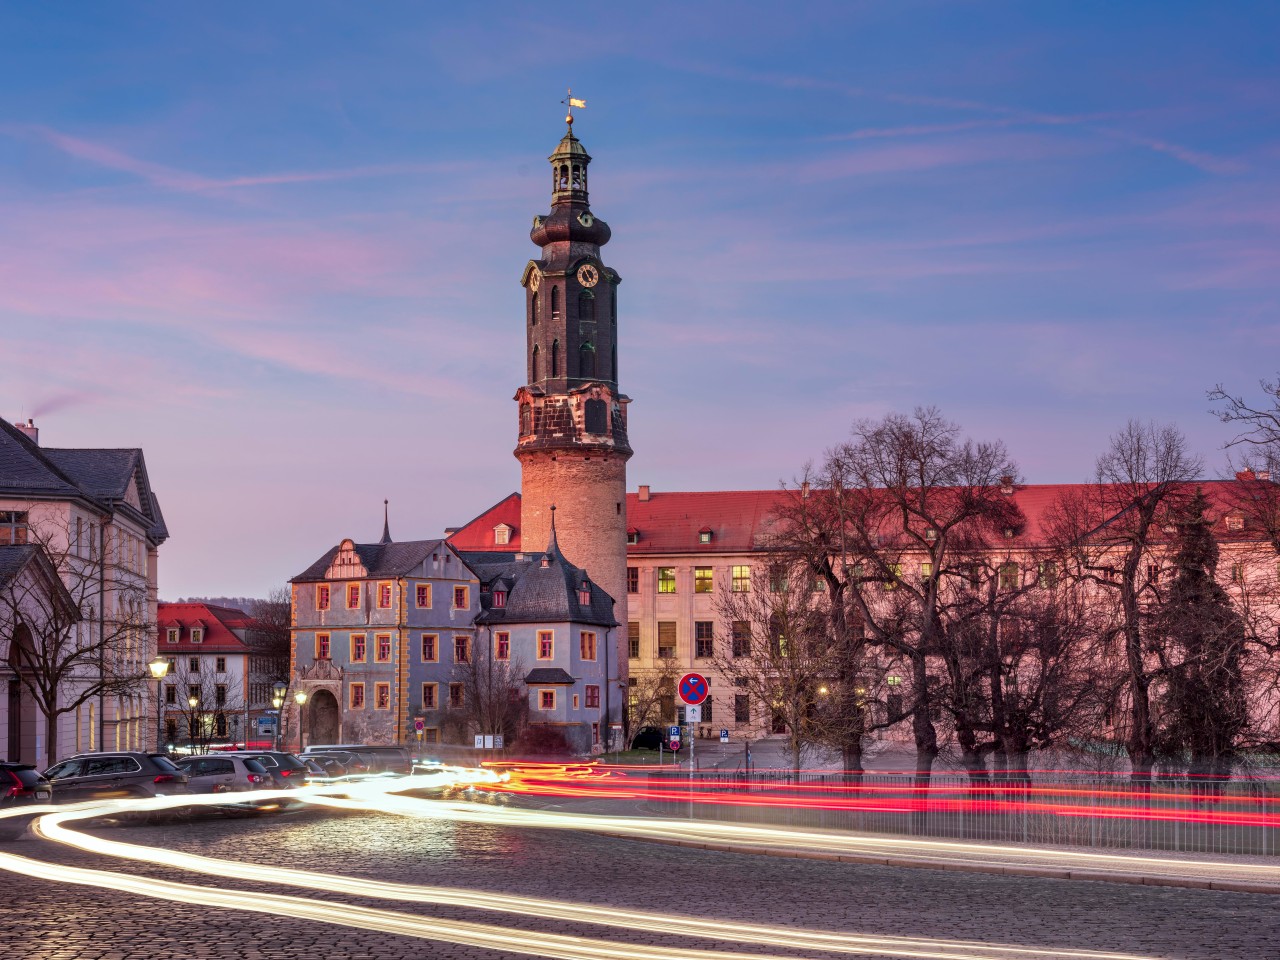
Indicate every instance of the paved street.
{"type": "Point", "coordinates": [58, 922]}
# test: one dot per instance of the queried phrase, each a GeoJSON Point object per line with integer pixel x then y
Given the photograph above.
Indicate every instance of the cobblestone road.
{"type": "Point", "coordinates": [53, 921]}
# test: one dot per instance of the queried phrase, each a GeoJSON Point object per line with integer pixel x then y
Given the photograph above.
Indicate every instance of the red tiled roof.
{"type": "Point", "coordinates": [217, 623]}
{"type": "Point", "coordinates": [670, 523]}
{"type": "Point", "coordinates": [478, 533]}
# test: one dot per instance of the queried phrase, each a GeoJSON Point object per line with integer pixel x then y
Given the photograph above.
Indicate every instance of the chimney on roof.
{"type": "Point", "coordinates": [1006, 485]}
{"type": "Point", "coordinates": [30, 429]}
{"type": "Point", "coordinates": [1264, 475]}
{"type": "Point", "coordinates": [804, 490]}
{"type": "Point", "coordinates": [643, 495]}
{"type": "Point", "coordinates": [1246, 475]}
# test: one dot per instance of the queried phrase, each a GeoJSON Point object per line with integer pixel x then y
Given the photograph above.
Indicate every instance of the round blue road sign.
{"type": "Point", "coordinates": [694, 688]}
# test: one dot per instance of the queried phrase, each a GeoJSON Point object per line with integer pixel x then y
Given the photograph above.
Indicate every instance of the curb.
{"type": "Point", "coordinates": [1009, 870]}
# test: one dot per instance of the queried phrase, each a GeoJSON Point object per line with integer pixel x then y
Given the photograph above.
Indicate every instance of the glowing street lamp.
{"type": "Point", "coordinates": [193, 702]}
{"type": "Point", "coordinates": [159, 668]}
{"type": "Point", "coordinates": [278, 690]}
{"type": "Point", "coordinates": [300, 698]}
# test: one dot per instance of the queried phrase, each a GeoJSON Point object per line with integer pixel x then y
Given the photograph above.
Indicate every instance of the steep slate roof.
{"type": "Point", "coordinates": [549, 675]}
{"type": "Point", "coordinates": [98, 477]}
{"type": "Point", "coordinates": [739, 520]}
{"type": "Point", "coordinates": [216, 621]}
{"type": "Point", "coordinates": [380, 559]}
{"type": "Point", "coordinates": [543, 588]}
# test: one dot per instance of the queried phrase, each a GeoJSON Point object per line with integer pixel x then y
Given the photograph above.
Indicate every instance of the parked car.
{"type": "Point", "coordinates": [316, 770]}
{"type": "Point", "coordinates": [387, 758]}
{"type": "Point", "coordinates": [286, 770]}
{"type": "Point", "coordinates": [98, 776]}
{"type": "Point", "coordinates": [21, 783]}
{"type": "Point", "coordinates": [650, 738]}
{"type": "Point", "coordinates": [221, 773]}
{"type": "Point", "coordinates": [352, 763]}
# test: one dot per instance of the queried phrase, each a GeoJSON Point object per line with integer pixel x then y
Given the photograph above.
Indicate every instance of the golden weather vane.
{"type": "Point", "coordinates": [571, 101]}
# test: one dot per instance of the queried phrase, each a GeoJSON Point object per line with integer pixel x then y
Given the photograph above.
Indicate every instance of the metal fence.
{"type": "Point", "coordinates": [1231, 817]}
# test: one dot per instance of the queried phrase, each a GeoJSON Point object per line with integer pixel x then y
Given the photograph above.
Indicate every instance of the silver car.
{"type": "Point", "coordinates": [224, 774]}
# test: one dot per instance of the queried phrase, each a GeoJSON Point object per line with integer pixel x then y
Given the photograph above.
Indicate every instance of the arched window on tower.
{"type": "Point", "coordinates": [613, 366]}
{"type": "Point", "coordinates": [555, 303]}
{"type": "Point", "coordinates": [533, 308]}
{"type": "Point", "coordinates": [577, 177]}
{"type": "Point", "coordinates": [587, 360]}
{"type": "Point", "coordinates": [613, 304]}
{"type": "Point", "coordinates": [555, 359]}
{"type": "Point", "coordinates": [533, 367]}
{"type": "Point", "coordinates": [564, 176]}
{"type": "Point", "coordinates": [586, 307]}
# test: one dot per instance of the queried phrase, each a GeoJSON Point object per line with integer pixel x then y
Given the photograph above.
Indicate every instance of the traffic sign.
{"type": "Point", "coordinates": [673, 733]}
{"type": "Point", "coordinates": [693, 713]}
{"type": "Point", "coordinates": [693, 688]}
{"type": "Point", "coordinates": [673, 745]}
{"type": "Point", "coordinates": [419, 724]}
{"type": "Point", "coordinates": [724, 735]}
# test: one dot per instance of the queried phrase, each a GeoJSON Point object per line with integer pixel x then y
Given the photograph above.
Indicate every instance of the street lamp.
{"type": "Point", "coordinates": [193, 702]}
{"type": "Point", "coordinates": [278, 690]}
{"type": "Point", "coordinates": [159, 668]}
{"type": "Point", "coordinates": [300, 698]}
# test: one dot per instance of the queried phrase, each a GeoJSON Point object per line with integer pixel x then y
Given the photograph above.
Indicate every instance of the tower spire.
{"type": "Point", "coordinates": [386, 522]}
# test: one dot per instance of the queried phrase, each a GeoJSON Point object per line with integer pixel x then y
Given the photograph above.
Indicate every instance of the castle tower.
{"type": "Point", "coordinates": [572, 445]}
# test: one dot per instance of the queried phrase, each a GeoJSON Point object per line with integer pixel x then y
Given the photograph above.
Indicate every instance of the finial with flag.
{"type": "Point", "coordinates": [571, 101]}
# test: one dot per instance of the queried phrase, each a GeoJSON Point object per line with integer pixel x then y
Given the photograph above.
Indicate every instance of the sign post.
{"type": "Point", "coordinates": [693, 690]}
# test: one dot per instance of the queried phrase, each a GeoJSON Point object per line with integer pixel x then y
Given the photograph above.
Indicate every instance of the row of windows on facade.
{"type": "Point", "coordinates": [123, 549]}
{"type": "Point", "coordinates": [586, 306]}
{"type": "Point", "coordinates": [193, 664]}
{"type": "Point", "coordinates": [429, 647]}
{"type": "Point", "coordinates": [384, 594]}
{"type": "Point", "coordinates": [547, 699]}
{"type": "Point", "coordinates": [194, 692]}
{"type": "Point", "coordinates": [586, 362]}
{"type": "Point", "coordinates": [740, 639]}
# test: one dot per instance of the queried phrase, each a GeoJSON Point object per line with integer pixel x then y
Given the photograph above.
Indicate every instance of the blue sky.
{"type": "Point", "coordinates": [279, 248]}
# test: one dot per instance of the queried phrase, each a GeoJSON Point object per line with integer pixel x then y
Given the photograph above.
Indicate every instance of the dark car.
{"type": "Point", "coordinates": [386, 758]}
{"type": "Point", "coordinates": [21, 783]}
{"type": "Point", "coordinates": [287, 771]}
{"type": "Point", "coordinates": [650, 738]}
{"type": "Point", "coordinates": [100, 776]}
{"type": "Point", "coordinates": [352, 763]}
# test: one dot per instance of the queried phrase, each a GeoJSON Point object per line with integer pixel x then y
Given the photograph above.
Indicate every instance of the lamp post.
{"type": "Point", "coordinates": [193, 702]}
{"type": "Point", "coordinates": [159, 668]}
{"type": "Point", "coordinates": [278, 690]}
{"type": "Point", "coordinates": [300, 698]}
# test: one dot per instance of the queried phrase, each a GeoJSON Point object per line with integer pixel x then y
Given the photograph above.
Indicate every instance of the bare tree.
{"type": "Point", "coordinates": [83, 633]}
{"type": "Point", "coordinates": [494, 692]}
{"type": "Point", "coordinates": [651, 697]}
{"type": "Point", "coordinates": [1111, 534]}
{"type": "Point", "coordinates": [779, 652]}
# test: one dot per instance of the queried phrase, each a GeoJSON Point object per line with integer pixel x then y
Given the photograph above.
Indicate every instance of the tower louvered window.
{"type": "Point", "coordinates": [534, 366]}
{"type": "Point", "coordinates": [555, 303]}
{"type": "Point", "coordinates": [587, 361]}
{"type": "Point", "coordinates": [555, 359]}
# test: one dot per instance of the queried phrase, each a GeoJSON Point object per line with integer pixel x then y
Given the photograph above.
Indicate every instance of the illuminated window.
{"type": "Point", "coordinates": [357, 696]}
{"type": "Point", "coordinates": [353, 596]}
{"type": "Point", "coordinates": [587, 645]}
{"type": "Point", "coordinates": [633, 640]}
{"type": "Point", "coordinates": [456, 695]}
{"type": "Point", "coordinates": [171, 635]}
{"type": "Point", "coordinates": [741, 579]}
{"type": "Point", "coordinates": [666, 579]}
{"type": "Point", "coordinates": [546, 644]}
{"type": "Point", "coordinates": [382, 696]}
{"type": "Point", "coordinates": [322, 646]}
{"type": "Point", "coordinates": [546, 699]}
{"type": "Point", "coordinates": [197, 635]}
{"type": "Point", "coordinates": [1048, 573]}
{"type": "Point", "coordinates": [430, 648]}
{"type": "Point", "coordinates": [461, 598]}
{"type": "Point", "coordinates": [633, 579]}
{"type": "Point", "coordinates": [322, 597]}
{"type": "Point", "coordinates": [461, 649]}
{"type": "Point", "coordinates": [704, 535]}
{"type": "Point", "coordinates": [926, 570]}
{"type": "Point", "coordinates": [1009, 576]}
{"type": "Point", "coordinates": [357, 648]}
{"type": "Point", "coordinates": [592, 693]}
{"type": "Point", "coordinates": [384, 648]}
{"type": "Point", "coordinates": [384, 596]}
{"type": "Point", "coordinates": [1235, 523]}
{"type": "Point", "coordinates": [502, 646]}
{"type": "Point", "coordinates": [703, 638]}
{"type": "Point", "coordinates": [702, 580]}
{"type": "Point", "coordinates": [422, 596]}
{"type": "Point", "coordinates": [895, 574]}
{"type": "Point", "coordinates": [13, 528]}
{"type": "Point", "coordinates": [429, 693]}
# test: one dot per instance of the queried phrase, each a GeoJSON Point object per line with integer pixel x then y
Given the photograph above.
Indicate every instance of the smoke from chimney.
{"type": "Point", "coordinates": [30, 429]}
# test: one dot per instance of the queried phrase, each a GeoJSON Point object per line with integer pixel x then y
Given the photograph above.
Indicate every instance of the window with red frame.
{"type": "Point", "coordinates": [546, 699]}
{"type": "Point", "coordinates": [357, 696]}
{"type": "Point", "coordinates": [430, 648]}
{"type": "Point", "coordinates": [461, 649]}
{"type": "Point", "coordinates": [353, 596]}
{"type": "Point", "coordinates": [499, 598]}
{"type": "Point", "coordinates": [587, 645]}
{"type": "Point", "coordinates": [322, 597]}
{"type": "Point", "coordinates": [423, 596]}
{"type": "Point", "coordinates": [384, 648]}
{"type": "Point", "coordinates": [460, 600]}
{"type": "Point", "coordinates": [357, 648]}
{"type": "Point", "coordinates": [384, 596]}
{"type": "Point", "coordinates": [592, 695]}
{"type": "Point", "coordinates": [546, 644]}
{"type": "Point", "coordinates": [322, 646]}
{"type": "Point", "coordinates": [455, 695]}
{"type": "Point", "coordinates": [429, 701]}
{"type": "Point", "coordinates": [382, 696]}
{"type": "Point", "coordinates": [502, 646]}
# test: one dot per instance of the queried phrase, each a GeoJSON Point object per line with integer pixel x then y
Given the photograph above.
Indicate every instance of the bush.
{"type": "Point", "coordinates": [539, 741]}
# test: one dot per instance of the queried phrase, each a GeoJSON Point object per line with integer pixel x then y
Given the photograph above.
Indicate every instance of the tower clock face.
{"type": "Point", "coordinates": [535, 280]}
{"type": "Point", "coordinates": [588, 275]}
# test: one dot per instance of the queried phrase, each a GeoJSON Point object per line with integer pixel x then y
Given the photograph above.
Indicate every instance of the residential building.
{"type": "Point", "coordinates": [210, 661]}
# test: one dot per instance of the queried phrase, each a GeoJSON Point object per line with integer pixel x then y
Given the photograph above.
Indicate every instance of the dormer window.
{"type": "Point", "coordinates": [197, 635]}
{"type": "Point", "coordinates": [704, 535]}
{"type": "Point", "coordinates": [584, 595]}
{"type": "Point", "coordinates": [633, 535]}
{"type": "Point", "coordinates": [931, 534]}
{"type": "Point", "coordinates": [1235, 523]}
{"type": "Point", "coordinates": [502, 534]}
{"type": "Point", "coordinates": [499, 598]}
{"type": "Point", "coordinates": [171, 635]}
